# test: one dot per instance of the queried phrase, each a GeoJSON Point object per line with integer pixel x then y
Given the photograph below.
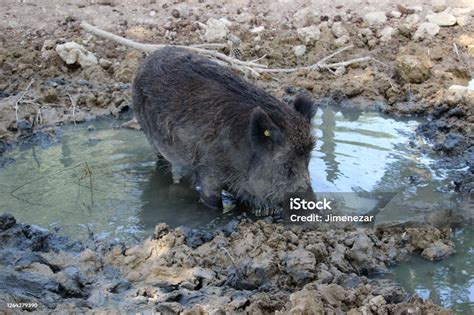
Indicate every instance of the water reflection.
{"type": "Point", "coordinates": [449, 282]}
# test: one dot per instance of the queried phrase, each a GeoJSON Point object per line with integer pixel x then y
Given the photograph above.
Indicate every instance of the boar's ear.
{"type": "Point", "coordinates": [263, 132]}
{"type": "Point", "coordinates": [305, 106]}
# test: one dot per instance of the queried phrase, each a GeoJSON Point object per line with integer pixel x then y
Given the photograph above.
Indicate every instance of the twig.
{"type": "Point", "coordinates": [15, 106]}
{"type": "Point", "coordinates": [251, 67]}
{"type": "Point", "coordinates": [73, 104]}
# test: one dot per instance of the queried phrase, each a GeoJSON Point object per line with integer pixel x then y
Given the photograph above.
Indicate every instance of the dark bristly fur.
{"type": "Point", "coordinates": [208, 122]}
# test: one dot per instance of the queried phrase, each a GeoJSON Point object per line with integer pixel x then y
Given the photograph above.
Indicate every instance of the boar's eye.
{"type": "Point", "coordinates": [288, 166]}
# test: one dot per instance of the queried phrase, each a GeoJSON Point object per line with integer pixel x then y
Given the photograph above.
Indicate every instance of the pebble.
{"type": "Point", "coordinates": [413, 68]}
{"type": "Point", "coordinates": [442, 19]}
{"type": "Point", "coordinates": [463, 20]}
{"type": "Point", "coordinates": [338, 30]}
{"type": "Point", "coordinates": [375, 19]}
{"type": "Point", "coordinates": [299, 50]}
{"type": "Point", "coordinates": [257, 29]}
{"type": "Point", "coordinates": [309, 35]}
{"type": "Point", "coordinates": [426, 30]}
{"type": "Point", "coordinates": [438, 5]}
{"type": "Point", "coordinates": [72, 53]}
{"type": "Point", "coordinates": [216, 30]}
{"type": "Point", "coordinates": [387, 33]}
{"type": "Point", "coordinates": [395, 14]}
{"type": "Point", "coordinates": [175, 13]}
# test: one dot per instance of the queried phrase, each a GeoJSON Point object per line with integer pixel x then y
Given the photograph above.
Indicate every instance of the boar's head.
{"type": "Point", "coordinates": [281, 152]}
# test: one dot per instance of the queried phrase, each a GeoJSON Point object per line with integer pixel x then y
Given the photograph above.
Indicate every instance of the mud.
{"type": "Point", "coordinates": [292, 270]}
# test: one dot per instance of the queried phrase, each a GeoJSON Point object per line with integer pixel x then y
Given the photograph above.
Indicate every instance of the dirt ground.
{"type": "Point", "coordinates": [413, 72]}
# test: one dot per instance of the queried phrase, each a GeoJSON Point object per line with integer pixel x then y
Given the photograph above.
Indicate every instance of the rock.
{"type": "Point", "coordinates": [338, 30]}
{"type": "Point", "coordinates": [375, 19]}
{"type": "Point", "coordinates": [362, 251]}
{"type": "Point", "coordinates": [341, 41]}
{"type": "Point", "coordinates": [438, 5]}
{"type": "Point", "coordinates": [463, 20]}
{"type": "Point", "coordinates": [299, 50]}
{"type": "Point", "coordinates": [138, 32]}
{"type": "Point", "coordinates": [6, 221]}
{"type": "Point", "coordinates": [442, 19]}
{"type": "Point", "coordinates": [412, 20]}
{"type": "Point", "coordinates": [413, 69]}
{"type": "Point", "coordinates": [216, 30]}
{"type": "Point", "coordinates": [96, 73]}
{"type": "Point", "coordinates": [452, 141]}
{"type": "Point", "coordinates": [365, 34]}
{"type": "Point", "coordinates": [104, 63]}
{"type": "Point", "coordinates": [309, 35]}
{"type": "Point", "coordinates": [426, 30]}
{"type": "Point", "coordinates": [124, 71]}
{"type": "Point", "coordinates": [175, 13]}
{"type": "Point", "coordinates": [437, 251]}
{"type": "Point", "coordinates": [257, 29]}
{"type": "Point", "coordinates": [48, 44]}
{"type": "Point", "coordinates": [299, 260]}
{"type": "Point", "coordinates": [72, 53]}
{"type": "Point", "coordinates": [50, 95]}
{"type": "Point", "coordinates": [72, 281]}
{"type": "Point", "coordinates": [306, 302]}
{"type": "Point", "coordinates": [305, 17]}
{"type": "Point", "coordinates": [387, 33]}
{"type": "Point", "coordinates": [395, 14]}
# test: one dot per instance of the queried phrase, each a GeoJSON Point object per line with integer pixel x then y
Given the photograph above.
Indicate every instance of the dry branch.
{"type": "Point", "coordinates": [244, 66]}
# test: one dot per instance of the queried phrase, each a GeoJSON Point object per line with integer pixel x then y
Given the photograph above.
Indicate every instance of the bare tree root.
{"type": "Point", "coordinates": [252, 67]}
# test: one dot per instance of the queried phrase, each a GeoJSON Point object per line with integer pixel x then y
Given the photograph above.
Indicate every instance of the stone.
{"type": "Point", "coordinates": [412, 19]}
{"type": "Point", "coordinates": [299, 50]}
{"type": "Point", "coordinates": [305, 17]}
{"type": "Point", "coordinates": [396, 14]}
{"type": "Point", "coordinates": [463, 20]}
{"type": "Point", "coordinates": [257, 29]}
{"type": "Point", "coordinates": [175, 13]}
{"type": "Point", "coordinates": [437, 251]}
{"type": "Point", "coordinates": [387, 33]}
{"type": "Point", "coordinates": [341, 41]}
{"type": "Point", "coordinates": [138, 32]}
{"type": "Point", "coordinates": [338, 30]}
{"type": "Point", "coordinates": [375, 19]}
{"type": "Point", "coordinates": [104, 63]}
{"type": "Point", "coordinates": [442, 19]}
{"type": "Point", "coordinates": [72, 53]}
{"type": "Point", "coordinates": [216, 30]}
{"type": "Point", "coordinates": [438, 5]}
{"type": "Point", "coordinates": [299, 260]}
{"type": "Point", "coordinates": [426, 30]}
{"type": "Point", "coordinates": [48, 44]}
{"type": "Point", "coordinates": [309, 35]}
{"type": "Point", "coordinates": [413, 69]}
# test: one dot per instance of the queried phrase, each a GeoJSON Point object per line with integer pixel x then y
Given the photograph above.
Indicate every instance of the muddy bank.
{"type": "Point", "coordinates": [244, 267]}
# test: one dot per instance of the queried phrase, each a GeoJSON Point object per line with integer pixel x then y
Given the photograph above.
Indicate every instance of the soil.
{"type": "Point", "coordinates": [292, 270]}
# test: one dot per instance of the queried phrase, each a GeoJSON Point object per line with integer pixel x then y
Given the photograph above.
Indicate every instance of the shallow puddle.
{"type": "Point", "coordinates": [106, 181]}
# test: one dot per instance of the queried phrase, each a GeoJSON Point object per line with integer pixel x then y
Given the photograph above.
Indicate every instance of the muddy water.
{"type": "Point", "coordinates": [105, 181]}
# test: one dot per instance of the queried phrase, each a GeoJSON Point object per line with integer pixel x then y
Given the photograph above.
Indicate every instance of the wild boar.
{"type": "Point", "coordinates": [224, 131]}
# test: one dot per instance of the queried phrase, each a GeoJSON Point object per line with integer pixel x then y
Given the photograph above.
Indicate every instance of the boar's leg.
{"type": "Point", "coordinates": [211, 190]}
{"type": "Point", "coordinates": [177, 172]}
